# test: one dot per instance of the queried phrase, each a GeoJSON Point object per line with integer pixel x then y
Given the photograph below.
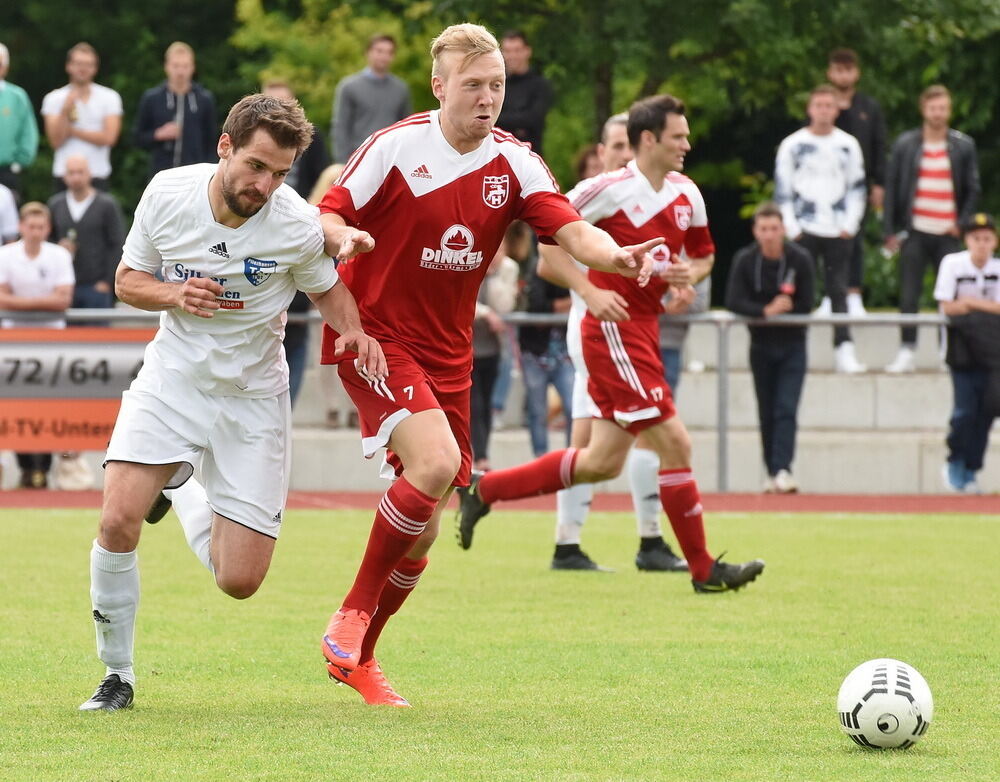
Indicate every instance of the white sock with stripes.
{"type": "Point", "coordinates": [572, 507]}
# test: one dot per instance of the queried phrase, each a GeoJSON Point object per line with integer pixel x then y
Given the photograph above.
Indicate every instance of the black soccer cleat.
{"type": "Point", "coordinates": [726, 577]}
{"type": "Point", "coordinates": [112, 694]}
{"type": "Point", "coordinates": [158, 509]}
{"type": "Point", "coordinates": [471, 509]}
{"type": "Point", "coordinates": [661, 559]}
{"type": "Point", "coordinates": [577, 560]}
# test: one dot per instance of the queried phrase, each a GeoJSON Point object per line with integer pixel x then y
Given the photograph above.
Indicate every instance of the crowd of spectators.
{"type": "Point", "coordinates": [832, 177]}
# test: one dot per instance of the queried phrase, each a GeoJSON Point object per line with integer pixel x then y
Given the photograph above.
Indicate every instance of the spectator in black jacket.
{"type": "Point", "coordinates": [770, 277]}
{"type": "Point", "coordinates": [528, 94]}
{"type": "Point", "coordinates": [309, 165]}
{"type": "Point", "coordinates": [90, 225]}
{"type": "Point", "coordinates": [862, 117]}
{"type": "Point", "coordinates": [176, 120]}
{"type": "Point", "coordinates": [931, 188]}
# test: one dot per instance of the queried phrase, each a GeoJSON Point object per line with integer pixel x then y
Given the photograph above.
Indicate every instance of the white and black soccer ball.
{"type": "Point", "coordinates": [885, 703]}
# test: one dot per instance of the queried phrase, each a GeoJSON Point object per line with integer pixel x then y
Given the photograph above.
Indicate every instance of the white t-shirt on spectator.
{"type": "Point", "coordinates": [39, 276]}
{"type": "Point", "coordinates": [958, 277]}
{"type": "Point", "coordinates": [8, 215]}
{"type": "Point", "coordinates": [90, 114]}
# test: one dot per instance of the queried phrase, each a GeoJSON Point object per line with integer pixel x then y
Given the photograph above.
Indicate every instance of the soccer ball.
{"type": "Point", "coordinates": [885, 703]}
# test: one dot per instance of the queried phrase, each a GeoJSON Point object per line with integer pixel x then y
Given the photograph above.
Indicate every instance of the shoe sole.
{"type": "Point", "coordinates": [158, 509]}
{"type": "Point", "coordinates": [341, 683]}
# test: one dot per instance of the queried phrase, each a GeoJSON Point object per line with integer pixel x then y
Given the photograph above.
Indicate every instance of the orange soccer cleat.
{"type": "Point", "coordinates": [344, 634]}
{"type": "Point", "coordinates": [370, 683]}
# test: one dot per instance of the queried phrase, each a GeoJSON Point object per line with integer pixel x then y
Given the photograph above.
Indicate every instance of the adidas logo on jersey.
{"type": "Point", "coordinates": [219, 249]}
{"type": "Point", "coordinates": [421, 172]}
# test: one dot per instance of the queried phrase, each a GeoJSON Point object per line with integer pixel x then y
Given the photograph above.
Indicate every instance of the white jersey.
{"type": "Point", "coordinates": [34, 277]}
{"type": "Point", "coordinates": [958, 277]}
{"type": "Point", "coordinates": [238, 352]}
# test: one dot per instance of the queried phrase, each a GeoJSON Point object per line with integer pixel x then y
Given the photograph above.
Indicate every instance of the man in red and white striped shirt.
{"type": "Point", "coordinates": [932, 187]}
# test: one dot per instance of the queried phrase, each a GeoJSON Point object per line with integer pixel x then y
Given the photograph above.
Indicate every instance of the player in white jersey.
{"type": "Point", "coordinates": [232, 245]}
{"type": "Point", "coordinates": [573, 503]}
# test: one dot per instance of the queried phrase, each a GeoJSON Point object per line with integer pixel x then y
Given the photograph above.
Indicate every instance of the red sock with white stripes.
{"type": "Point", "coordinates": [681, 502]}
{"type": "Point", "coordinates": [545, 475]}
{"type": "Point", "coordinates": [402, 581]}
{"type": "Point", "coordinates": [399, 521]}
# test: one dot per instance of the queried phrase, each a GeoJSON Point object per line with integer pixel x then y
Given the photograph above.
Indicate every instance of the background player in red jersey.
{"type": "Point", "coordinates": [437, 190]}
{"type": "Point", "coordinates": [626, 382]}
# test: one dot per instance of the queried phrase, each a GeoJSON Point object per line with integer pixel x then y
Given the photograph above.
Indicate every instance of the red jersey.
{"type": "Point", "coordinates": [437, 217]}
{"type": "Point", "coordinates": [625, 205]}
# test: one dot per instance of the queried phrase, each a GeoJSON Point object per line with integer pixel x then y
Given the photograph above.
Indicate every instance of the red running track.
{"type": "Point", "coordinates": [740, 503]}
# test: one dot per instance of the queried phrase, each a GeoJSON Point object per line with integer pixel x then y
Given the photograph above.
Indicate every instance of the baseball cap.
{"type": "Point", "coordinates": [979, 220]}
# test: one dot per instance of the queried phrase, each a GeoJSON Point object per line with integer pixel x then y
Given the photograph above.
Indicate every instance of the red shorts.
{"type": "Point", "coordinates": [626, 372]}
{"type": "Point", "coordinates": [407, 390]}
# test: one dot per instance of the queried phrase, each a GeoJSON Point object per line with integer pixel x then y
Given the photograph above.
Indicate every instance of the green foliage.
{"type": "Point", "coordinates": [326, 41]}
{"type": "Point", "coordinates": [506, 662]}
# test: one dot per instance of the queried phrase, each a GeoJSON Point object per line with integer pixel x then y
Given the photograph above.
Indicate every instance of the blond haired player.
{"type": "Point", "coordinates": [427, 201]}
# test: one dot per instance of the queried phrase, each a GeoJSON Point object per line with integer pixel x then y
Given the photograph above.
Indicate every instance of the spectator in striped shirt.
{"type": "Point", "coordinates": [931, 188]}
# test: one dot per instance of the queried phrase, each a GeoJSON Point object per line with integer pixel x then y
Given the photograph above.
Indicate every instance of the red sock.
{"type": "Point", "coordinates": [401, 582]}
{"type": "Point", "coordinates": [682, 503]}
{"type": "Point", "coordinates": [546, 475]}
{"type": "Point", "coordinates": [399, 521]}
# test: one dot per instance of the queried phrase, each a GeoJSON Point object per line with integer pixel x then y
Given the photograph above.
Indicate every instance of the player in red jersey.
{"type": "Point", "coordinates": [436, 191]}
{"type": "Point", "coordinates": [648, 197]}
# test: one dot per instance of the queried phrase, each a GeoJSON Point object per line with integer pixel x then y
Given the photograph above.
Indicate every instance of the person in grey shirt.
{"type": "Point", "coordinates": [368, 100]}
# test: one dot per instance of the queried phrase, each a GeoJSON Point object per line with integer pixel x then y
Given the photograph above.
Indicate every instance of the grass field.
{"type": "Point", "coordinates": [515, 672]}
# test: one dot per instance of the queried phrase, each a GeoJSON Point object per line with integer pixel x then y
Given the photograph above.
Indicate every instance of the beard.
{"type": "Point", "coordinates": [245, 203]}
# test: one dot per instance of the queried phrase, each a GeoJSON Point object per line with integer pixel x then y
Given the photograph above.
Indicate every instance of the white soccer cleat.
{"type": "Point", "coordinates": [846, 362]}
{"type": "Point", "coordinates": [903, 363]}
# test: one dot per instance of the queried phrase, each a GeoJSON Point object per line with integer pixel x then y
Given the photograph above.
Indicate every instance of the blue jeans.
{"type": "Point", "coordinates": [555, 368]}
{"type": "Point", "coordinates": [970, 425]}
{"type": "Point", "coordinates": [671, 368]}
{"type": "Point", "coordinates": [779, 370]}
{"type": "Point", "coordinates": [296, 358]}
{"type": "Point", "coordinates": [86, 297]}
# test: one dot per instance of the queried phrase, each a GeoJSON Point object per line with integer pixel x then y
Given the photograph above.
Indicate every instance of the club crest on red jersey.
{"type": "Point", "coordinates": [496, 190]}
{"type": "Point", "coordinates": [682, 215]}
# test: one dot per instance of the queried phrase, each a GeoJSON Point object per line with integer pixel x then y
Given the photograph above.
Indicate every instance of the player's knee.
{"type": "Point", "coordinates": [597, 467]}
{"type": "Point", "coordinates": [238, 585]}
{"type": "Point", "coordinates": [439, 467]}
{"type": "Point", "coordinates": [118, 531]}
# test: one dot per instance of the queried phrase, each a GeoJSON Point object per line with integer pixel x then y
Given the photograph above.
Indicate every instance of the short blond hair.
{"type": "Point", "coordinates": [178, 47]}
{"type": "Point", "coordinates": [35, 209]}
{"type": "Point", "coordinates": [471, 40]}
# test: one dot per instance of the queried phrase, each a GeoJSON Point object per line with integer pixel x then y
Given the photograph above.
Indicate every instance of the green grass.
{"type": "Point", "coordinates": [515, 672]}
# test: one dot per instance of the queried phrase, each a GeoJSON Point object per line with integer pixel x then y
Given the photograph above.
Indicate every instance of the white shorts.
{"type": "Point", "coordinates": [242, 445]}
{"type": "Point", "coordinates": [583, 405]}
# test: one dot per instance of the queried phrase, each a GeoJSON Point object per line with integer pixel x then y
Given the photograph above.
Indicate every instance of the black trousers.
{"type": "Point", "coordinates": [834, 254]}
{"type": "Point", "coordinates": [919, 251]}
{"type": "Point", "coordinates": [484, 377]}
{"type": "Point", "coordinates": [779, 371]}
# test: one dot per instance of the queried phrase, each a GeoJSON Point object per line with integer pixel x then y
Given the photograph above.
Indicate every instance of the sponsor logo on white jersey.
{"type": "Point", "coordinates": [456, 253]}
{"type": "Point", "coordinates": [496, 190]}
{"type": "Point", "coordinates": [682, 215]}
{"type": "Point", "coordinates": [421, 172]}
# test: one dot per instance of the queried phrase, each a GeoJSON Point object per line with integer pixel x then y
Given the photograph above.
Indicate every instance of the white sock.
{"type": "Point", "coordinates": [572, 507]}
{"type": "Point", "coordinates": [643, 470]}
{"type": "Point", "coordinates": [191, 506]}
{"type": "Point", "coordinates": [114, 592]}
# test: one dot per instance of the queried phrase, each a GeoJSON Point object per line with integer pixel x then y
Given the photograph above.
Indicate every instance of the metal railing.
{"type": "Point", "coordinates": [721, 320]}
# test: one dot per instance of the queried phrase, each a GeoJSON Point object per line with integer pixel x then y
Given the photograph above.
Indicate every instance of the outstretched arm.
{"type": "Point", "coordinates": [341, 240]}
{"type": "Point", "coordinates": [338, 308]}
{"type": "Point", "coordinates": [595, 248]}
{"type": "Point", "coordinates": [558, 267]}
